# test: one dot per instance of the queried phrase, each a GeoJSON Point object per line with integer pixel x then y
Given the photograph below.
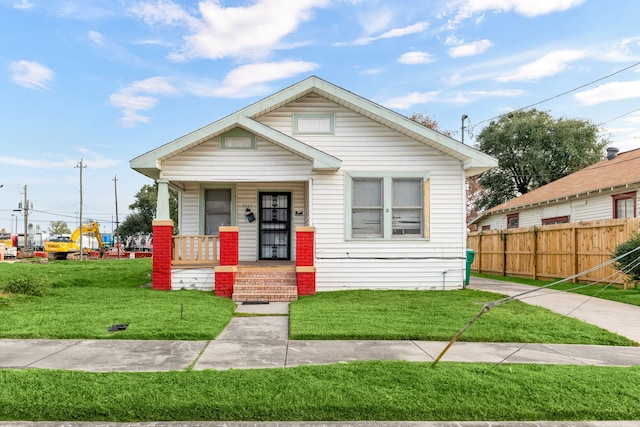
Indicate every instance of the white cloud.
{"type": "Point", "coordinates": [375, 20]}
{"type": "Point", "coordinates": [136, 97]}
{"type": "Point", "coordinates": [96, 37]}
{"type": "Point", "coordinates": [371, 71]}
{"type": "Point", "coordinates": [620, 51]}
{"type": "Point", "coordinates": [31, 74]}
{"type": "Point", "coordinates": [249, 80]}
{"type": "Point", "coordinates": [162, 12]}
{"type": "Point", "coordinates": [252, 31]}
{"type": "Point", "coordinates": [475, 95]}
{"type": "Point", "coordinates": [614, 91]}
{"type": "Point", "coordinates": [23, 4]}
{"type": "Point", "coordinates": [412, 58]}
{"type": "Point", "coordinates": [414, 98]}
{"type": "Point", "coordinates": [396, 32]}
{"type": "Point", "coordinates": [549, 65]}
{"type": "Point", "coordinates": [530, 8]}
{"type": "Point", "coordinates": [470, 49]}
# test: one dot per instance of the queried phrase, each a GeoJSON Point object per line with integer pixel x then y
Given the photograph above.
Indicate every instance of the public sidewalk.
{"type": "Point", "coordinates": [262, 342]}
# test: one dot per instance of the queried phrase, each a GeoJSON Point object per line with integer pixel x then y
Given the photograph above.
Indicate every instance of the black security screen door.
{"type": "Point", "coordinates": [275, 225]}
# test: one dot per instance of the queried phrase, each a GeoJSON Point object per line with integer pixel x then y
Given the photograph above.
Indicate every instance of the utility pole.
{"type": "Point", "coordinates": [81, 166]}
{"type": "Point", "coordinates": [26, 220]}
{"type": "Point", "coordinates": [115, 238]}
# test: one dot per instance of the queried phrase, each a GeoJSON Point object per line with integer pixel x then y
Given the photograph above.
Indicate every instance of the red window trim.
{"type": "Point", "coordinates": [623, 196]}
{"type": "Point", "coordinates": [486, 227]}
{"type": "Point", "coordinates": [511, 216]}
{"type": "Point", "coordinates": [556, 220]}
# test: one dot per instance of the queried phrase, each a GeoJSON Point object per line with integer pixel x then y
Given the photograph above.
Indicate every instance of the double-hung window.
{"type": "Point", "coordinates": [387, 207]}
{"type": "Point", "coordinates": [624, 205]}
{"type": "Point", "coordinates": [217, 209]}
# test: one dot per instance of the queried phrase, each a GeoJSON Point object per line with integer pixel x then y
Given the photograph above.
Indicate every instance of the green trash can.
{"type": "Point", "coordinates": [471, 255]}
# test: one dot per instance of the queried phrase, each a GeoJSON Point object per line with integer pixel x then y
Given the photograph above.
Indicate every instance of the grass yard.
{"type": "Point", "coordinates": [629, 296]}
{"type": "Point", "coordinates": [383, 391]}
{"type": "Point", "coordinates": [435, 316]}
{"type": "Point", "coordinates": [69, 299]}
{"type": "Point", "coordinates": [83, 299]}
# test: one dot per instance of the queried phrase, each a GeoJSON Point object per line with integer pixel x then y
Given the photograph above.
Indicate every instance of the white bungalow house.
{"type": "Point", "coordinates": [318, 185]}
{"type": "Point", "coordinates": [608, 189]}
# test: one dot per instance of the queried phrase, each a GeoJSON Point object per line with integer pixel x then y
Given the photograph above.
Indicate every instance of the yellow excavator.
{"type": "Point", "coordinates": [59, 247]}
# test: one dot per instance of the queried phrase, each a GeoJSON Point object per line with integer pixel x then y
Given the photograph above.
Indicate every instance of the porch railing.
{"type": "Point", "coordinates": [194, 251]}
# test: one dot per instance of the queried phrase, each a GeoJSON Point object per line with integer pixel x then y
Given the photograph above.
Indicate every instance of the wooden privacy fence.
{"type": "Point", "coordinates": [552, 251]}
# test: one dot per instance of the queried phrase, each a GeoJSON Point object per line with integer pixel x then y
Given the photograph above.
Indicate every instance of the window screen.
{"type": "Point", "coordinates": [217, 209]}
{"type": "Point", "coordinates": [367, 208]}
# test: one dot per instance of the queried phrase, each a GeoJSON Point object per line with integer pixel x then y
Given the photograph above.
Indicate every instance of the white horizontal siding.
{"type": "Point", "coordinates": [207, 162]}
{"type": "Point", "coordinates": [365, 146]}
{"type": "Point", "coordinates": [361, 145]}
{"type": "Point", "coordinates": [578, 209]}
{"type": "Point", "coordinates": [202, 279]}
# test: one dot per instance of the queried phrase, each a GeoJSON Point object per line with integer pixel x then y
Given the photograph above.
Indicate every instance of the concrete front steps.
{"type": "Point", "coordinates": [263, 284]}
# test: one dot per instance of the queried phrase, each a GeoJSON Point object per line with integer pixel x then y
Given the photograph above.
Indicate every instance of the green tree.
{"type": "Point", "coordinates": [141, 220]}
{"type": "Point", "coordinates": [534, 149]}
{"type": "Point", "coordinates": [59, 227]}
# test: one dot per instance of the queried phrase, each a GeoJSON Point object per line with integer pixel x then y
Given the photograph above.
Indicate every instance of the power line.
{"type": "Point", "coordinates": [619, 117]}
{"type": "Point", "coordinates": [564, 93]}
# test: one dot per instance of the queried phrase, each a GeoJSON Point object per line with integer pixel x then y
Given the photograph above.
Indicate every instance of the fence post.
{"type": "Point", "coordinates": [576, 261]}
{"type": "Point", "coordinates": [479, 255]}
{"type": "Point", "coordinates": [534, 253]}
{"type": "Point", "coordinates": [504, 253]}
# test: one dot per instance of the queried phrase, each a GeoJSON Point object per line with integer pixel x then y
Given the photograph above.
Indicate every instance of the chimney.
{"type": "Point", "coordinates": [612, 153]}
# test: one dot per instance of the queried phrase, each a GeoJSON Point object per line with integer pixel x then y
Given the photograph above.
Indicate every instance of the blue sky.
{"type": "Point", "coordinates": [107, 80]}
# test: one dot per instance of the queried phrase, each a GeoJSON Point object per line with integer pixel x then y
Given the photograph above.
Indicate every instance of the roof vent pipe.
{"type": "Point", "coordinates": [612, 153]}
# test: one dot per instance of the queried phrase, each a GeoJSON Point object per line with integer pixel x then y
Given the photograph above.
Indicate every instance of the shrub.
{"type": "Point", "coordinates": [27, 285]}
{"type": "Point", "coordinates": [630, 263]}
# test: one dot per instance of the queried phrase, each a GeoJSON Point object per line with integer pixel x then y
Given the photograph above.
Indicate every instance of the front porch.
{"type": "Point", "coordinates": [210, 262]}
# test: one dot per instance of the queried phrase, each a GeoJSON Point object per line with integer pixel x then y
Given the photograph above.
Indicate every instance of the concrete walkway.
{"type": "Point", "coordinates": [262, 342]}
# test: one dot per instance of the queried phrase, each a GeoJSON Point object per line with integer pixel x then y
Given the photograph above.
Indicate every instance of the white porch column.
{"type": "Point", "coordinates": [162, 206]}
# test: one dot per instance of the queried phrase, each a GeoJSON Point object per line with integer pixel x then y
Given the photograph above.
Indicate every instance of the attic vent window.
{"type": "Point", "coordinates": [238, 139]}
{"type": "Point", "coordinates": [313, 123]}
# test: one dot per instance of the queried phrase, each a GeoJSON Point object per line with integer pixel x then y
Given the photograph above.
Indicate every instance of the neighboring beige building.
{"type": "Point", "coordinates": [605, 190]}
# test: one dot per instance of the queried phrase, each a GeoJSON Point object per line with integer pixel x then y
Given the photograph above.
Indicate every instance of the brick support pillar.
{"type": "Point", "coordinates": [305, 260]}
{"type": "Point", "coordinates": [161, 273]}
{"type": "Point", "coordinates": [225, 273]}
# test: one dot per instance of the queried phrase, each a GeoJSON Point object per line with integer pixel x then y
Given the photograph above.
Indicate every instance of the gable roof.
{"type": "Point", "coordinates": [474, 161]}
{"type": "Point", "coordinates": [621, 172]}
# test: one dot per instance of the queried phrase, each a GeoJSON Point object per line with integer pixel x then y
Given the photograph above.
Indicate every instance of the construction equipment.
{"type": "Point", "coordinates": [60, 247]}
{"type": "Point", "coordinates": [10, 241]}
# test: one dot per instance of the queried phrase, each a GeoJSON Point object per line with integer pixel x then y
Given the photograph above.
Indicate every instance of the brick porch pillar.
{"type": "Point", "coordinates": [161, 272]}
{"type": "Point", "coordinates": [225, 273]}
{"type": "Point", "coordinates": [305, 260]}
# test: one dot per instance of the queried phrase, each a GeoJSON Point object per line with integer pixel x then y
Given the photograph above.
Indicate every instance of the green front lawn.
{"type": "Point", "coordinates": [391, 391]}
{"type": "Point", "coordinates": [83, 299]}
{"type": "Point", "coordinates": [435, 316]}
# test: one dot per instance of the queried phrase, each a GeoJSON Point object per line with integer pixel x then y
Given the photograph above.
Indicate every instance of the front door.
{"type": "Point", "coordinates": [275, 225]}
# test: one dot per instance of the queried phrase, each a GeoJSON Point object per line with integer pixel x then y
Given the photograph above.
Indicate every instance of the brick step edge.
{"type": "Point", "coordinates": [263, 298]}
{"type": "Point", "coordinates": [247, 291]}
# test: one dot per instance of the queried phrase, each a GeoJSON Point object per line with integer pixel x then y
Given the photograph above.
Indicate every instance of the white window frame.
{"type": "Point", "coordinates": [201, 220]}
{"type": "Point", "coordinates": [228, 140]}
{"type": "Point", "coordinates": [298, 130]}
{"type": "Point", "coordinates": [387, 204]}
